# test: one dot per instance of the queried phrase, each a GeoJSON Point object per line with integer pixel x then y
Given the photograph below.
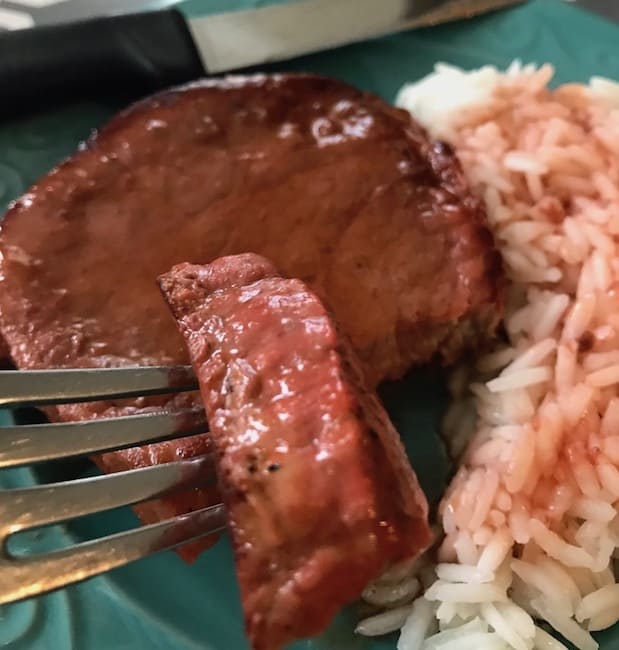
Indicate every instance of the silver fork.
{"type": "Point", "coordinates": [34, 507]}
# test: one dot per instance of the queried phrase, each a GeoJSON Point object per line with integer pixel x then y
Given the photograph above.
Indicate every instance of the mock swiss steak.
{"type": "Point", "coordinates": [333, 185]}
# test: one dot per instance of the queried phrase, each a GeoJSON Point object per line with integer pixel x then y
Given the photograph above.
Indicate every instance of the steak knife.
{"type": "Point", "coordinates": [143, 52]}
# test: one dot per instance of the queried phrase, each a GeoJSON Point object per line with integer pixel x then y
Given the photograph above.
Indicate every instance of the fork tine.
{"type": "Point", "coordinates": [43, 505]}
{"type": "Point", "coordinates": [37, 387]}
{"type": "Point", "coordinates": [26, 577]}
{"type": "Point", "coordinates": [33, 443]}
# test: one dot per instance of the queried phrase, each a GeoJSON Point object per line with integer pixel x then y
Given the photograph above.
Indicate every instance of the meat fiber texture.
{"type": "Point", "coordinates": [319, 492]}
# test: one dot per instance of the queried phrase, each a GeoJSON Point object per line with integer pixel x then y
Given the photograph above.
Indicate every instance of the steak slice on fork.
{"type": "Point", "coordinates": [320, 494]}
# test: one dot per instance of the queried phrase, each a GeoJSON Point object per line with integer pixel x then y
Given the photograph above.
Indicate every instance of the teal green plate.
{"type": "Point", "coordinates": [162, 603]}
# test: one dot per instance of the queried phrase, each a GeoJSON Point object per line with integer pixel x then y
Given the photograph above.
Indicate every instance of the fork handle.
{"type": "Point", "coordinates": [23, 578]}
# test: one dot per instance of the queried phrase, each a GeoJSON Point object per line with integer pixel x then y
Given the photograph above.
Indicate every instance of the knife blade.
{"type": "Point", "coordinates": [144, 52]}
{"type": "Point", "coordinates": [279, 32]}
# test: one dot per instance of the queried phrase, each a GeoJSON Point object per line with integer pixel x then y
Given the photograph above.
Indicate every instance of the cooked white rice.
{"type": "Point", "coordinates": [530, 520]}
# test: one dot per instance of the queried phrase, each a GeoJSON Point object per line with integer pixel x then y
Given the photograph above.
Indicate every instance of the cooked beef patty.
{"type": "Point", "coordinates": [335, 186]}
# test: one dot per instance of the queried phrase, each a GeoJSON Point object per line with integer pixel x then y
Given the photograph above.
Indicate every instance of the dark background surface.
{"type": "Point", "coordinates": [607, 8]}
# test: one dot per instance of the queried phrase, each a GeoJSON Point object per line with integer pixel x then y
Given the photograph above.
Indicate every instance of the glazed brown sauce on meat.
{"type": "Point", "coordinates": [335, 186]}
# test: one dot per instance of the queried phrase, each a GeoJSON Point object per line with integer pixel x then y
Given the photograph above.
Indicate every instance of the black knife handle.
{"type": "Point", "coordinates": [132, 54]}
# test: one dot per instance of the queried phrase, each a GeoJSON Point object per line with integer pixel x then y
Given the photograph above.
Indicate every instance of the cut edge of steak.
{"type": "Point", "coordinates": [5, 353]}
{"type": "Point", "coordinates": [320, 494]}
